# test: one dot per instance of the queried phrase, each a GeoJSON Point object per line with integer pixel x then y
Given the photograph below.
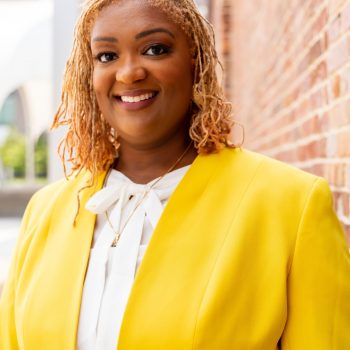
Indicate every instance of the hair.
{"type": "Point", "coordinates": [90, 142]}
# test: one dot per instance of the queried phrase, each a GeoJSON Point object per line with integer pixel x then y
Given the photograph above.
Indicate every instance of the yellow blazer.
{"type": "Point", "coordinates": [247, 254]}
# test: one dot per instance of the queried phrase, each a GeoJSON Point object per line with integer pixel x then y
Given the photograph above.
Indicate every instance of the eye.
{"type": "Point", "coordinates": [157, 50]}
{"type": "Point", "coordinates": [105, 57]}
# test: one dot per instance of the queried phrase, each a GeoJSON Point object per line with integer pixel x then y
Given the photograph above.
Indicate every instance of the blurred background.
{"type": "Point", "coordinates": [286, 70]}
{"type": "Point", "coordinates": [35, 41]}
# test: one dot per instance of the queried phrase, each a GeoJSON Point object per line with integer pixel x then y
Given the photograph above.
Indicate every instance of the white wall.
{"type": "Point", "coordinates": [65, 14]}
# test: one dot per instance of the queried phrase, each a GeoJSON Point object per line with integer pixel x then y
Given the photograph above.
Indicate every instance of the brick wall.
{"type": "Point", "coordinates": [289, 79]}
{"type": "Point", "coordinates": [220, 13]}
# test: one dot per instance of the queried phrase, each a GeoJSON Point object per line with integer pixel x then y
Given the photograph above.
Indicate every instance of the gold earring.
{"type": "Point", "coordinates": [197, 98]}
{"type": "Point", "coordinates": [113, 139]}
{"type": "Point", "coordinates": [112, 135]}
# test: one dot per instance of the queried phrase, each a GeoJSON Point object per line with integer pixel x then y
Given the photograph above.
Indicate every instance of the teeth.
{"type": "Point", "coordinates": [133, 99]}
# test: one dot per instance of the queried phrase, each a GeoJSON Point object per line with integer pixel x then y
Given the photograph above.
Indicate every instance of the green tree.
{"type": "Point", "coordinates": [41, 156]}
{"type": "Point", "coordinates": [13, 153]}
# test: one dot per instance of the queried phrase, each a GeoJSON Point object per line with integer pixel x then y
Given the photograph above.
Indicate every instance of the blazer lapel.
{"type": "Point", "coordinates": [77, 246]}
{"type": "Point", "coordinates": [173, 275]}
{"type": "Point", "coordinates": [52, 295]}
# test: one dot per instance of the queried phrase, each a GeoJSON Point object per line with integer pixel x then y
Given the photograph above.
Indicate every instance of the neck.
{"type": "Point", "coordinates": [144, 164]}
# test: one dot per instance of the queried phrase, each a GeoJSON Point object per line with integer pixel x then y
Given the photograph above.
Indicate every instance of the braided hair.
{"type": "Point", "coordinates": [90, 142]}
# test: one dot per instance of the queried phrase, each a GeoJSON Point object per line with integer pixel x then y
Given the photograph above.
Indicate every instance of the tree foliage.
{"type": "Point", "coordinates": [41, 156]}
{"type": "Point", "coordinates": [13, 153]}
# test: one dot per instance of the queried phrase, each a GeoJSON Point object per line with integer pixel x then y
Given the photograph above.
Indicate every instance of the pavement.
{"type": "Point", "coordinates": [9, 228]}
{"type": "Point", "coordinates": [13, 200]}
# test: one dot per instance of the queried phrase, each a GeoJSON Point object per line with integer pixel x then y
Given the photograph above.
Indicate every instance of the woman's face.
{"type": "Point", "coordinates": [142, 73]}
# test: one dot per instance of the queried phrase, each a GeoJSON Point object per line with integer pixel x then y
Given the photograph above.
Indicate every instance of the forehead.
{"type": "Point", "coordinates": [130, 16]}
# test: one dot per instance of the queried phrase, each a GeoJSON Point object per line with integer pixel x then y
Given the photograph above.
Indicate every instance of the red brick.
{"type": "Point", "coordinates": [345, 18]}
{"type": "Point", "coordinates": [289, 62]}
{"type": "Point", "coordinates": [346, 204]}
{"type": "Point", "coordinates": [331, 146]}
{"type": "Point", "coordinates": [343, 144]}
{"type": "Point", "coordinates": [324, 121]}
{"type": "Point", "coordinates": [317, 26]}
{"type": "Point", "coordinates": [316, 50]}
{"type": "Point", "coordinates": [335, 90]}
{"type": "Point", "coordinates": [304, 108]}
{"type": "Point", "coordinates": [345, 81]}
{"type": "Point", "coordinates": [335, 6]}
{"type": "Point", "coordinates": [319, 74]}
{"type": "Point", "coordinates": [319, 98]}
{"type": "Point", "coordinates": [334, 29]}
{"type": "Point", "coordinates": [340, 175]}
{"type": "Point", "coordinates": [318, 169]}
{"type": "Point", "coordinates": [314, 149]}
{"type": "Point", "coordinates": [339, 115]}
{"type": "Point", "coordinates": [338, 55]}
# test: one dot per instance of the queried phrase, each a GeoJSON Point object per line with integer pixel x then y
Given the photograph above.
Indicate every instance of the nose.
{"type": "Point", "coordinates": [130, 71]}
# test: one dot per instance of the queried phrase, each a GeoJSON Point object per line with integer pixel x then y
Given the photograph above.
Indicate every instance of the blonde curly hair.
{"type": "Point", "coordinates": [89, 142]}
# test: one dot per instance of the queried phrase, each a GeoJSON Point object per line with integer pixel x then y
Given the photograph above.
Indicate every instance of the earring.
{"type": "Point", "coordinates": [197, 98]}
{"type": "Point", "coordinates": [113, 139]}
{"type": "Point", "coordinates": [112, 134]}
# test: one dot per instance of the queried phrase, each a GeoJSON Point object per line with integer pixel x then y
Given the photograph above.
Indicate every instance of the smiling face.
{"type": "Point", "coordinates": [142, 74]}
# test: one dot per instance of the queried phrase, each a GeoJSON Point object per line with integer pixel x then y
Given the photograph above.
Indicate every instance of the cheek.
{"type": "Point", "coordinates": [100, 86]}
{"type": "Point", "coordinates": [178, 79]}
{"type": "Point", "coordinates": [100, 82]}
{"type": "Point", "coordinates": [96, 83]}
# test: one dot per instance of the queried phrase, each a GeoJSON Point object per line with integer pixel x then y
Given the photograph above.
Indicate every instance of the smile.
{"type": "Point", "coordinates": [133, 99]}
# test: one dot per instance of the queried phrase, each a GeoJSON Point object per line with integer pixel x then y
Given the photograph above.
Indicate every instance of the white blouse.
{"type": "Point", "coordinates": [111, 271]}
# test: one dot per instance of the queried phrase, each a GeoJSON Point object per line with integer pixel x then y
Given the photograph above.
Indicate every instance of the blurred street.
{"type": "Point", "coordinates": [9, 228]}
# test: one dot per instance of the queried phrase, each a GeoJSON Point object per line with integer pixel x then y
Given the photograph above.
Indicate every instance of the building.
{"type": "Point", "coordinates": [287, 68]}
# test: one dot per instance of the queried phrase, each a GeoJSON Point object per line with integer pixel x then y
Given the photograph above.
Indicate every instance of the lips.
{"type": "Point", "coordinates": [135, 99]}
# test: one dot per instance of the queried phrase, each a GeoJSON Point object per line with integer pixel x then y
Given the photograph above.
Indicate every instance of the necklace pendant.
{"type": "Point", "coordinates": [115, 240]}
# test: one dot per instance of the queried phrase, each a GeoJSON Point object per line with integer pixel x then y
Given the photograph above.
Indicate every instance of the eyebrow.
{"type": "Point", "coordinates": [111, 39]}
{"type": "Point", "coordinates": [155, 30]}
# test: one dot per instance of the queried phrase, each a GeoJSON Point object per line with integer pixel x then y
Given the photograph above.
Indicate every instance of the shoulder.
{"type": "Point", "coordinates": [241, 163]}
{"type": "Point", "coordinates": [54, 189]}
{"type": "Point", "coordinates": [62, 192]}
{"type": "Point", "coordinates": [263, 180]}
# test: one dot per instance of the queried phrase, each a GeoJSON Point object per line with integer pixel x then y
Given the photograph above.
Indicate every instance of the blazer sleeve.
{"type": "Point", "coordinates": [319, 279]}
{"type": "Point", "coordinates": [8, 334]}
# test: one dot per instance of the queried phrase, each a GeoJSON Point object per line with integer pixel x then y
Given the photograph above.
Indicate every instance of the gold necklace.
{"type": "Point", "coordinates": [144, 195]}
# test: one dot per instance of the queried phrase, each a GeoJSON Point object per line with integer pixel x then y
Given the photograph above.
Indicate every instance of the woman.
{"type": "Point", "coordinates": [247, 254]}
